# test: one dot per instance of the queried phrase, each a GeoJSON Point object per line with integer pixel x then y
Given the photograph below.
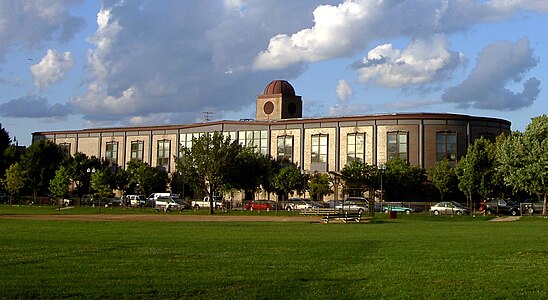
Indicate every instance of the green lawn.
{"type": "Point", "coordinates": [421, 257]}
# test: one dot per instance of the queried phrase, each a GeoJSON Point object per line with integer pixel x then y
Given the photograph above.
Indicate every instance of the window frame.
{"type": "Point", "coordinates": [444, 145]}
{"type": "Point", "coordinates": [319, 142]}
{"type": "Point", "coordinates": [390, 155]}
{"type": "Point", "coordinates": [111, 155]}
{"type": "Point", "coordinates": [354, 146]}
{"type": "Point", "coordinates": [288, 150]}
{"type": "Point", "coordinates": [161, 160]}
{"type": "Point", "coordinates": [139, 152]}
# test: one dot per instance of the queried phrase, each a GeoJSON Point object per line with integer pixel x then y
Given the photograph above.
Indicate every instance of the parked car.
{"type": "Point", "coordinates": [298, 204]}
{"type": "Point", "coordinates": [136, 200]}
{"type": "Point", "coordinates": [167, 203]}
{"type": "Point", "coordinates": [359, 204]}
{"type": "Point", "coordinates": [532, 205]}
{"type": "Point", "coordinates": [259, 205]}
{"type": "Point", "coordinates": [116, 202]}
{"type": "Point", "coordinates": [449, 207]}
{"type": "Point", "coordinates": [98, 201]}
{"type": "Point", "coordinates": [398, 208]}
{"type": "Point", "coordinates": [501, 207]}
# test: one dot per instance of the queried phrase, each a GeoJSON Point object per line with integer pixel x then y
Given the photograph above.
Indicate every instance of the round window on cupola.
{"type": "Point", "coordinates": [268, 107]}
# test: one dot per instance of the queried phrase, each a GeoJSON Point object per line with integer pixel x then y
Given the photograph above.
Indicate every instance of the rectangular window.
{"type": "Point", "coordinates": [355, 147]}
{"type": "Point", "coordinates": [111, 153]}
{"type": "Point", "coordinates": [285, 147]}
{"type": "Point", "coordinates": [319, 148]}
{"type": "Point", "coordinates": [257, 139]}
{"type": "Point", "coordinates": [137, 150]}
{"type": "Point", "coordinates": [163, 154]}
{"type": "Point", "coordinates": [446, 146]}
{"type": "Point", "coordinates": [397, 145]}
{"type": "Point", "coordinates": [65, 148]}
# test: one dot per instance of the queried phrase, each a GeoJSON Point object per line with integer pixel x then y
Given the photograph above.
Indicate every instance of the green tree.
{"type": "Point", "coordinates": [14, 180]}
{"type": "Point", "coordinates": [100, 183]}
{"type": "Point", "coordinates": [248, 170]}
{"type": "Point", "coordinates": [77, 167]}
{"type": "Point", "coordinates": [476, 171]}
{"type": "Point", "coordinates": [524, 159]}
{"type": "Point", "coordinates": [319, 186]}
{"type": "Point", "coordinates": [206, 164]}
{"type": "Point", "coordinates": [444, 177]}
{"type": "Point", "coordinates": [288, 180]}
{"type": "Point", "coordinates": [59, 185]}
{"type": "Point", "coordinates": [40, 161]}
{"type": "Point", "coordinates": [403, 181]}
{"type": "Point", "coordinates": [358, 177]}
{"type": "Point", "coordinates": [140, 177]}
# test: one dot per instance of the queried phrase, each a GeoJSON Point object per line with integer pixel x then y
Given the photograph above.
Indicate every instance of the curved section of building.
{"type": "Point", "coordinates": [315, 144]}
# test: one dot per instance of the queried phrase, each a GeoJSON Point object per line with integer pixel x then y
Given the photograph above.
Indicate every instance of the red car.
{"type": "Point", "coordinates": [259, 206]}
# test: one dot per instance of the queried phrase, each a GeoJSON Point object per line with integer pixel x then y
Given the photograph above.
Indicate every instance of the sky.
{"type": "Point", "coordinates": [75, 64]}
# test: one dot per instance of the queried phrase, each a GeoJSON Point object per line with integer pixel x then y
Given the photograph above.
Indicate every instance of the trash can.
{"type": "Point", "coordinates": [392, 214]}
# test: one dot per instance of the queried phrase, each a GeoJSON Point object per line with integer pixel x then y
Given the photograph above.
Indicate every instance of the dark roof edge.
{"type": "Point", "coordinates": [403, 116]}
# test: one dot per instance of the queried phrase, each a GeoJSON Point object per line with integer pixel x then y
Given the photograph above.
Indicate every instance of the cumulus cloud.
{"type": "Point", "coordinates": [197, 57]}
{"type": "Point", "coordinates": [423, 61]}
{"type": "Point", "coordinates": [51, 68]}
{"type": "Point", "coordinates": [498, 65]}
{"type": "Point", "coordinates": [344, 90]}
{"type": "Point", "coordinates": [33, 106]}
{"type": "Point", "coordinates": [346, 29]}
{"type": "Point", "coordinates": [29, 23]}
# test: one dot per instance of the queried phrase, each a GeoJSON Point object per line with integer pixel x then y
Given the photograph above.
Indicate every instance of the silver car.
{"type": "Point", "coordinates": [358, 204]}
{"type": "Point", "coordinates": [449, 207]}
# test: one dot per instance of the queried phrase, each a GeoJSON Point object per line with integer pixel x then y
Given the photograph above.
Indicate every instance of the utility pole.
{"type": "Point", "coordinates": [207, 115]}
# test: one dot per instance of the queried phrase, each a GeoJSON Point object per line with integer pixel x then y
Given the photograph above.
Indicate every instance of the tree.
{"type": "Point", "coordinates": [319, 185]}
{"type": "Point", "coordinates": [248, 171]}
{"type": "Point", "coordinates": [14, 180]}
{"type": "Point", "coordinates": [206, 164]}
{"type": "Point", "coordinates": [444, 177]}
{"type": "Point", "coordinates": [288, 180]}
{"type": "Point", "coordinates": [476, 171]}
{"type": "Point", "coordinates": [59, 185]}
{"type": "Point", "coordinates": [401, 180]}
{"type": "Point", "coordinates": [100, 183]}
{"type": "Point", "coordinates": [40, 161]}
{"type": "Point", "coordinates": [357, 177]}
{"type": "Point", "coordinates": [524, 160]}
{"type": "Point", "coordinates": [77, 167]}
{"type": "Point", "coordinates": [141, 177]}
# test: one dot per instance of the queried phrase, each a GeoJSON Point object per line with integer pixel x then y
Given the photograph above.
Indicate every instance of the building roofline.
{"type": "Point", "coordinates": [370, 117]}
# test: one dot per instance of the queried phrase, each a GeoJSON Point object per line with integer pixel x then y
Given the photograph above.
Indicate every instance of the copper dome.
{"type": "Point", "coordinates": [279, 87]}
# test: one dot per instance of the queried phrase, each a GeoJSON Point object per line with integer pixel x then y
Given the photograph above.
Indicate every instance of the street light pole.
{"type": "Point", "coordinates": [382, 169]}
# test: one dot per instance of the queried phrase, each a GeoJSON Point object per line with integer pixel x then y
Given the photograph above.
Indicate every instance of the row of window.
{"type": "Point", "coordinates": [397, 146]}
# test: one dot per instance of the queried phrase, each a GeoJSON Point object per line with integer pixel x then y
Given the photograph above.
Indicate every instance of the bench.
{"type": "Point", "coordinates": [345, 217]}
{"type": "Point", "coordinates": [317, 211]}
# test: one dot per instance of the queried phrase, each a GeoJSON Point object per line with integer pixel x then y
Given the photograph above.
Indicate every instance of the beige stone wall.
{"type": "Point", "coordinates": [296, 133]}
{"type": "Point", "coordinates": [146, 147]}
{"type": "Point", "coordinates": [331, 148]}
{"type": "Point", "coordinates": [344, 131]}
{"type": "Point", "coordinates": [276, 114]}
{"type": "Point", "coordinates": [89, 146]}
{"type": "Point", "coordinates": [174, 146]}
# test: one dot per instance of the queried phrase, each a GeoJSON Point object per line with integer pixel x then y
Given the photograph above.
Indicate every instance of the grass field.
{"type": "Point", "coordinates": [422, 257]}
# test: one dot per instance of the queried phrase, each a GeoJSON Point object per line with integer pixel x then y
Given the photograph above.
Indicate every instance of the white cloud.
{"type": "Point", "coordinates": [346, 29]}
{"type": "Point", "coordinates": [498, 65]}
{"type": "Point", "coordinates": [197, 57]}
{"type": "Point", "coordinates": [51, 68]}
{"type": "Point", "coordinates": [29, 23]}
{"type": "Point", "coordinates": [423, 61]}
{"type": "Point", "coordinates": [344, 90]}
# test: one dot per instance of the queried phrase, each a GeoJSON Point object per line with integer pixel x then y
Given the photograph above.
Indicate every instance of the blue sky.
{"type": "Point", "coordinates": [73, 64]}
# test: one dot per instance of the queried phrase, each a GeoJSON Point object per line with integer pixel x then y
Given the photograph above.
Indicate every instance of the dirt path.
{"type": "Point", "coordinates": [167, 218]}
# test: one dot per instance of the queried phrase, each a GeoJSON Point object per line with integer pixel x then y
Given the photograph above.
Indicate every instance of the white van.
{"type": "Point", "coordinates": [151, 200]}
{"type": "Point", "coordinates": [136, 200]}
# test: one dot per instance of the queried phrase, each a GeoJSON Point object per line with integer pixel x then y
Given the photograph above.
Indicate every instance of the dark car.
{"type": "Point", "coordinates": [501, 207]}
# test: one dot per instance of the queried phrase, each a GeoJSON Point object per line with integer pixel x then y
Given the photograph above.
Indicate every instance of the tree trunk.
{"type": "Point", "coordinates": [544, 205]}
